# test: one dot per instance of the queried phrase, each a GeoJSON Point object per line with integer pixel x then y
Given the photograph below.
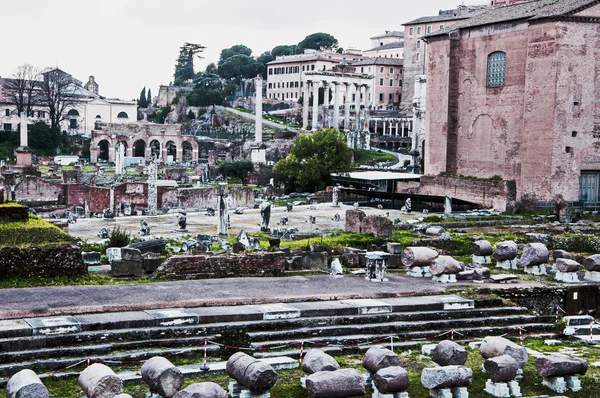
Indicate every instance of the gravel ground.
{"type": "Point", "coordinates": [198, 223]}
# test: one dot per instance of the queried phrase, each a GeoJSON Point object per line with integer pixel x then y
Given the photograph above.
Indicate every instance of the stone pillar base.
{"type": "Point", "coordinates": [419, 272]}
{"type": "Point", "coordinates": [535, 269]}
{"type": "Point", "coordinates": [440, 393]}
{"type": "Point", "coordinates": [507, 264]}
{"type": "Point", "coordinates": [377, 394]}
{"type": "Point", "coordinates": [592, 276]}
{"type": "Point", "coordinates": [444, 278]}
{"type": "Point", "coordinates": [503, 390]}
{"type": "Point", "coordinates": [573, 383]}
{"type": "Point", "coordinates": [567, 277]}
{"type": "Point", "coordinates": [556, 384]}
{"type": "Point", "coordinates": [481, 259]}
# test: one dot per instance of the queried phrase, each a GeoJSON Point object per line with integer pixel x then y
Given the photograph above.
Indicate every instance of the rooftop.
{"type": "Point", "coordinates": [535, 10]}
{"type": "Point", "coordinates": [388, 33]}
{"type": "Point", "coordinates": [389, 46]}
{"type": "Point", "coordinates": [380, 61]}
{"type": "Point", "coordinates": [379, 175]}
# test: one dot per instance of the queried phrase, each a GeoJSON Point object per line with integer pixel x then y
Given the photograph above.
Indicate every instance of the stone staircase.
{"type": "Point", "coordinates": [67, 343]}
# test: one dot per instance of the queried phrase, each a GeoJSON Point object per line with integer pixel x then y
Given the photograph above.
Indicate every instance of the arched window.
{"type": "Point", "coordinates": [496, 69]}
{"type": "Point", "coordinates": [122, 115]}
{"type": "Point", "coordinates": [73, 112]}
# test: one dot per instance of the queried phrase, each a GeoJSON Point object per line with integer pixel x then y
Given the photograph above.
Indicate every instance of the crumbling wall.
{"type": "Point", "coordinates": [260, 264]}
{"type": "Point", "coordinates": [357, 221]}
{"type": "Point", "coordinates": [43, 262]}
{"type": "Point", "coordinates": [203, 197]}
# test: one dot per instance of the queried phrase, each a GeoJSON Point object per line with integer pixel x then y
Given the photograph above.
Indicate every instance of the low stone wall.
{"type": "Point", "coordinates": [44, 262]}
{"type": "Point", "coordinates": [497, 194]}
{"type": "Point", "coordinates": [13, 213]}
{"type": "Point", "coordinates": [260, 264]}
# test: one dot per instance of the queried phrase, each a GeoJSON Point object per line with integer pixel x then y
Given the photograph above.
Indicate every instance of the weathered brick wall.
{"type": "Point", "coordinates": [261, 264]}
{"type": "Point", "coordinates": [202, 197]}
{"type": "Point", "coordinates": [45, 262]}
{"type": "Point", "coordinates": [496, 194]}
{"type": "Point", "coordinates": [357, 221]}
{"type": "Point", "coordinates": [38, 190]}
{"type": "Point", "coordinates": [133, 194]}
{"type": "Point", "coordinates": [354, 219]}
{"type": "Point", "coordinates": [539, 129]}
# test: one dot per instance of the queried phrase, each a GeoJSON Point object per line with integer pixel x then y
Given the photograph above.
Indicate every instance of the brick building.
{"type": "Point", "coordinates": [415, 48]}
{"type": "Point", "coordinates": [515, 93]}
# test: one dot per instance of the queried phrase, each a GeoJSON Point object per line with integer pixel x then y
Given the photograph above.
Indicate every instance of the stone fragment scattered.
{"type": "Point", "coordinates": [337, 384]}
{"type": "Point", "coordinates": [558, 366]}
{"type": "Point", "coordinates": [534, 254]}
{"type": "Point", "coordinates": [99, 381]}
{"type": "Point", "coordinates": [501, 369]}
{"type": "Point", "coordinates": [418, 256]}
{"type": "Point", "coordinates": [378, 357]}
{"type": "Point", "coordinates": [318, 361]}
{"type": "Point", "coordinates": [506, 250]}
{"type": "Point", "coordinates": [26, 384]}
{"type": "Point", "coordinates": [202, 390]}
{"type": "Point", "coordinates": [255, 375]}
{"type": "Point", "coordinates": [391, 380]}
{"type": "Point", "coordinates": [161, 376]}
{"type": "Point", "coordinates": [448, 352]}
{"type": "Point", "coordinates": [497, 346]}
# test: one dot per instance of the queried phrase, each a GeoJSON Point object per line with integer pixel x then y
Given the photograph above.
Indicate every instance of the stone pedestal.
{"type": "Point", "coordinates": [236, 390]}
{"type": "Point", "coordinates": [503, 390]}
{"type": "Point", "coordinates": [507, 264]}
{"type": "Point", "coordinates": [24, 157]}
{"type": "Point", "coordinates": [535, 269]}
{"type": "Point", "coordinates": [440, 393]}
{"type": "Point", "coordinates": [567, 277]}
{"type": "Point", "coordinates": [419, 272]}
{"type": "Point", "coordinates": [445, 278]}
{"type": "Point", "coordinates": [556, 384]}
{"type": "Point", "coordinates": [377, 394]}
{"type": "Point", "coordinates": [573, 383]}
{"type": "Point", "coordinates": [592, 276]}
{"type": "Point", "coordinates": [481, 259]}
{"type": "Point", "coordinates": [460, 392]}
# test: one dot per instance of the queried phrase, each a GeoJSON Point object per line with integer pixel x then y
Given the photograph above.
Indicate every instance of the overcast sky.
{"type": "Point", "coordinates": [129, 44]}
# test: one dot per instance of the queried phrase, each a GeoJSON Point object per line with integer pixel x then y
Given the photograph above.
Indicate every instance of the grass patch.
{"type": "Point", "coordinates": [341, 239]}
{"type": "Point", "coordinates": [33, 232]}
{"type": "Point", "coordinates": [288, 382]}
{"type": "Point", "coordinates": [362, 156]}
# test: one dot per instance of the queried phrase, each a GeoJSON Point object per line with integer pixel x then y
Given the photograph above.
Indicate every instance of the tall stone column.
{"type": "Point", "coordinates": [315, 107]}
{"type": "Point", "coordinates": [23, 130]}
{"type": "Point", "coordinates": [326, 122]}
{"type": "Point", "coordinates": [367, 106]}
{"type": "Point", "coordinates": [152, 188]}
{"type": "Point", "coordinates": [347, 108]}
{"type": "Point", "coordinates": [222, 226]}
{"type": "Point", "coordinates": [305, 96]}
{"type": "Point", "coordinates": [258, 110]}
{"type": "Point", "coordinates": [357, 102]}
{"type": "Point", "coordinates": [336, 105]}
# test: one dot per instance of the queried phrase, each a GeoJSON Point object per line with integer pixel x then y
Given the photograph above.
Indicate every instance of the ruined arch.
{"type": "Point", "coordinates": [155, 149]}
{"type": "Point", "coordinates": [139, 149]}
{"type": "Point", "coordinates": [125, 145]}
{"type": "Point", "coordinates": [171, 150]}
{"type": "Point", "coordinates": [103, 151]}
{"type": "Point", "coordinates": [187, 152]}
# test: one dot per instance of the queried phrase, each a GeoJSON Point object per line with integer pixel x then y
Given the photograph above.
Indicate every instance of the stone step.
{"type": "Point", "coordinates": [389, 327]}
{"type": "Point", "coordinates": [128, 357]}
{"type": "Point", "coordinates": [350, 342]}
{"type": "Point", "coordinates": [78, 350]}
{"type": "Point", "coordinates": [96, 336]}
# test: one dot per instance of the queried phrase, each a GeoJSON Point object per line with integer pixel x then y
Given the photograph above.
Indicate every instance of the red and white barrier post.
{"type": "Point", "coordinates": [301, 350]}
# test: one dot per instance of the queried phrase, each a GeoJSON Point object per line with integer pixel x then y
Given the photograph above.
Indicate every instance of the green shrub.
{"type": "Point", "coordinates": [430, 218]}
{"type": "Point", "coordinates": [118, 237]}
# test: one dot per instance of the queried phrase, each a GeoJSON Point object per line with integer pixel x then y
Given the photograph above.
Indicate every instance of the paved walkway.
{"type": "Point", "coordinates": [63, 300]}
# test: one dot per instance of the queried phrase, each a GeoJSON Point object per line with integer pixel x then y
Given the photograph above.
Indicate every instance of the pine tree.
{"type": "Point", "coordinates": [149, 100]}
{"type": "Point", "coordinates": [143, 102]}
